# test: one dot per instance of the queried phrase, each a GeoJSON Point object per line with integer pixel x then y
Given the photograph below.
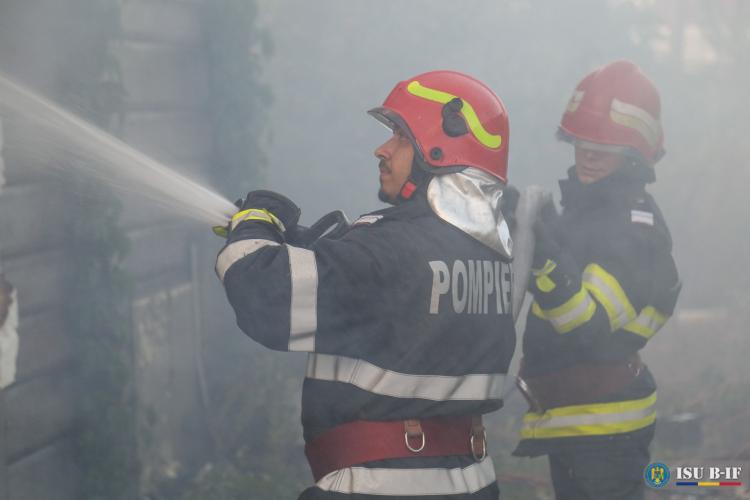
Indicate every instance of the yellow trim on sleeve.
{"type": "Point", "coordinates": [564, 318]}
{"type": "Point", "coordinates": [611, 295]}
{"type": "Point", "coordinates": [648, 322]}
{"type": "Point", "coordinates": [589, 430]}
{"type": "Point", "coordinates": [591, 419]}
{"type": "Point", "coordinates": [260, 214]}
{"type": "Point", "coordinates": [595, 408]}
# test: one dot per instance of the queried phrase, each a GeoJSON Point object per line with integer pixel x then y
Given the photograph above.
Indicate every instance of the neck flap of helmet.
{"type": "Point", "coordinates": [470, 201]}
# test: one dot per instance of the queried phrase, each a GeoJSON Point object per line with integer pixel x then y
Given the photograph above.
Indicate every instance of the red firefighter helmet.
{"type": "Point", "coordinates": [616, 105]}
{"type": "Point", "coordinates": [452, 120]}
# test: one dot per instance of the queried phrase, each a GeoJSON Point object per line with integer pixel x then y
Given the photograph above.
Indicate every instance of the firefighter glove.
{"type": "Point", "coordinates": [554, 273]}
{"type": "Point", "coordinates": [265, 207]}
{"type": "Point", "coordinates": [546, 247]}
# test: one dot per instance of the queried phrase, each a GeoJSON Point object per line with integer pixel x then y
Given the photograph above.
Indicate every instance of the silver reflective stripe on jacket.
{"type": "Point", "coordinates": [371, 378]}
{"type": "Point", "coordinates": [303, 321]}
{"type": "Point", "coordinates": [236, 251]}
{"type": "Point", "coordinates": [410, 482]}
{"type": "Point", "coordinates": [303, 272]}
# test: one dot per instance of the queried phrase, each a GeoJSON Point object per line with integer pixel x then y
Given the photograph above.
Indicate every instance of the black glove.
{"type": "Point", "coordinates": [547, 235]}
{"type": "Point", "coordinates": [546, 246]}
{"type": "Point", "coordinates": [282, 208]}
{"type": "Point", "coordinates": [549, 216]}
{"type": "Point", "coordinates": [554, 272]}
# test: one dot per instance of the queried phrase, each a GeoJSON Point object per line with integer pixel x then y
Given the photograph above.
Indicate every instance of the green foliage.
{"type": "Point", "coordinates": [97, 304]}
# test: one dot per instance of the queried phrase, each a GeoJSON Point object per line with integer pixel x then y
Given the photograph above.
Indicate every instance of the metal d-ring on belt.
{"type": "Point", "coordinates": [412, 428]}
{"type": "Point", "coordinates": [364, 441]}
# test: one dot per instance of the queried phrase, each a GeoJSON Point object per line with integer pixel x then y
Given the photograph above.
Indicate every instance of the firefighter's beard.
{"type": "Point", "coordinates": [396, 199]}
{"type": "Point", "coordinates": [382, 196]}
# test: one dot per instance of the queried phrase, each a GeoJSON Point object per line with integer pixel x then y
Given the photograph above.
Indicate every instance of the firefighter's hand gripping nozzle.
{"type": "Point", "coordinates": [331, 225]}
{"type": "Point", "coordinates": [263, 206]}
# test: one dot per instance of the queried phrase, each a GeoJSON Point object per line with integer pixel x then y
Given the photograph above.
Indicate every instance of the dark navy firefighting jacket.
{"type": "Point", "coordinates": [621, 292]}
{"type": "Point", "coordinates": [404, 317]}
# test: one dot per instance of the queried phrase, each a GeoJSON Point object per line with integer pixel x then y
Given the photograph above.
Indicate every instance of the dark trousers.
{"type": "Point", "coordinates": [607, 472]}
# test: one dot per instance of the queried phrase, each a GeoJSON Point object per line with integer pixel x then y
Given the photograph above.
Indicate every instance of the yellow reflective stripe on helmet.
{"type": "Point", "coordinates": [570, 315]}
{"type": "Point", "coordinates": [260, 214]}
{"type": "Point", "coordinates": [648, 322]}
{"type": "Point", "coordinates": [607, 290]}
{"type": "Point", "coordinates": [477, 129]}
{"type": "Point", "coordinates": [590, 420]}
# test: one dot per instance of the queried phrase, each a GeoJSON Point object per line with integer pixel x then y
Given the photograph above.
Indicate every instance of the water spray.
{"type": "Point", "coordinates": [57, 133]}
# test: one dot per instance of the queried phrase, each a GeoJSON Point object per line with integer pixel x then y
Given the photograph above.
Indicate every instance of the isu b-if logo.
{"type": "Point", "coordinates": [656, 475]}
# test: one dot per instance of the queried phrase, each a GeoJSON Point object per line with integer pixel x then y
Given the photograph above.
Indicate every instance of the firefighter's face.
{"type": "Point", "coordinates": [592, 165]}
{"type": "Point", "coordinates": [396, 156]}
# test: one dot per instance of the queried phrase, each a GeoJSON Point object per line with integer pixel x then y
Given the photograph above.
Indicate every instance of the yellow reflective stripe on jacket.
{"type": "Point", "coordinates": [572, 314]}
{"type": "Point", "coordinates": [596, 419]}
{"type": "Point", "coordinates": [648, 322]}
{"type": "Point", "coordinates": [472, 120]}
{"type": "Point", "coordinates": [607, 290]}
{"type": "Point", "coordinates": [260, 214]}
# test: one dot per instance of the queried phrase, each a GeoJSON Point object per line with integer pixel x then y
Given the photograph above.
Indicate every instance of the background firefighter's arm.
{"type": "Point", "coordinates": [625, 287]}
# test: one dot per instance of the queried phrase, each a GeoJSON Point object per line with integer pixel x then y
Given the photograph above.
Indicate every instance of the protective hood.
{"type": "Point", "coordinates": [470, 201]}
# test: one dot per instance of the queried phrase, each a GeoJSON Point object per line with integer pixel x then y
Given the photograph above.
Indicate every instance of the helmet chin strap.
{"type": "Point", "coordinates": [418, 177]}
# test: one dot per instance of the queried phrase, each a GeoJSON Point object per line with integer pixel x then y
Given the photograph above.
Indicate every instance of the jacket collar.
{"type": "Point", "coordinates": [617, 189]}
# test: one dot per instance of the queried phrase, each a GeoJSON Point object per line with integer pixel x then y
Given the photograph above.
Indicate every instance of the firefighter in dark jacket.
{"type": "Point", "coordinates": [604, 282]}
{"type": "Point", "coordinates": [406, 315]}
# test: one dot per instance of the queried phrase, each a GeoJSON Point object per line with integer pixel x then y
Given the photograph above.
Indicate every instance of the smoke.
{"type": "Point", "coordinates": [51, 132]}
